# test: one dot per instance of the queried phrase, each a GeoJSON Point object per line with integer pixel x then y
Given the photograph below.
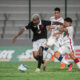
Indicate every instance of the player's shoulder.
{"type": "Point", "coordinates": [70, 27]}
{"type": "Point", "coordinates": [31, 22]}
{"type": "Point", "coordinates": [43, 21]}
{"type": "Point", "coordinates": [61, 18]}
{"type": "Point", "coordinates": [52, 17]}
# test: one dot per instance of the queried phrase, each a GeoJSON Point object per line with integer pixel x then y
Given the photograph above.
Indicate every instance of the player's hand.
{"type": "Point", "coordinates": [55, 34]}
{"type": "Point", "coordinates": [14, 40]}
{"type": "Point", "coordinates": [50, 27]}
{"type": "Point", "coordinates": [61, 28]}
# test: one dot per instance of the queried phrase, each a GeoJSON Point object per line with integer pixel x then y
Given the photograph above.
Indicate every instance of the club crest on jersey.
{"type": "Point", "coordinates": [34, 26]}
{"type": "Point", "coordinates": [39, 32]}
{"type": "Point", "coordinates": [42, 26]}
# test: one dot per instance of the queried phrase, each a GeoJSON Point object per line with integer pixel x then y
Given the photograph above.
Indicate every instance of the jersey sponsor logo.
{"type": "Point", "coordinates": [6, 55]}
{"type": "Point", "coordinates": [15, 54]}
{"type": "Point", "coordinates": [28, 55]}
{"type": "Point", "coordinates": [34, 26]}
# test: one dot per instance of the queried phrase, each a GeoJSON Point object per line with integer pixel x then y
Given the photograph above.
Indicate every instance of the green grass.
{"type": "Point", "coordinates": [9, 71]}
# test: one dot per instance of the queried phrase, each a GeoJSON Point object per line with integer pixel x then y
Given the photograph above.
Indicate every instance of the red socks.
{"type": "Point", "coordinates": [76, 60]}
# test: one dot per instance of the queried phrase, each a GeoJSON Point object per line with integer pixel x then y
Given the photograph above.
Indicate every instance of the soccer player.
{"type": "Point", "coordinates": [54, 40]}
{"type": "Point", "coordinates": [39, 30]}
{"type": "Point", "coordinates": [56, 21]}
{"type": "Point", "coordinates": [67, 43]}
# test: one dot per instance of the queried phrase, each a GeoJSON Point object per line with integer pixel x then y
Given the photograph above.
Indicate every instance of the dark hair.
{"type": "Point", "coordinates": [57, 9]}
{"type": "Point", "coordinates": [68, 19]}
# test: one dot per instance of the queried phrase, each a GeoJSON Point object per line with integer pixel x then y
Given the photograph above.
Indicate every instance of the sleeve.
{"type": "Point", "coordinates": [47, 22]}
{"type": "Point", "coordinates": [50, 18]}
{"type": "Point", "coordinates": [70, 30]}
{"type": "Point", "coordinates": [29, 26]}
{"type": "Point", "coordinates": [62, 20]}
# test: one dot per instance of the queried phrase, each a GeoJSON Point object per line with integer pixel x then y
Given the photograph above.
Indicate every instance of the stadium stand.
{"type": "Point", "coordinates": [14, 15]}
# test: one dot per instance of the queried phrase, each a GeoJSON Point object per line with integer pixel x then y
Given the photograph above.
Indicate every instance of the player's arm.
{"type": "Point", "coordinates": [21, 32]}
{"type": "Point", "coordinates": [50, 27]}
{"type": "Point", "coordinates": [55, 34]}
{"type": "Point", "coordinates": [57, 23]}
{"type": "Point", "coordinates": [62, 29]}
{"type": "Point", "coordinates": [48, 24]}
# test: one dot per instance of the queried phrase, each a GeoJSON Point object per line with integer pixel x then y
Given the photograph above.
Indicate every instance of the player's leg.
{"type": "Point", "coordinates": [41, 61]}
{"type": "Point", "coordinates": [71, 53]}
{"type": "Point", "coordinates": [41, 48]}
{"type": "Point", "coordinates": [51, 41]}
{"type": "Point", "coordinates": [40, 57]}
{"type": "Point", "coordinates": [48, 49]}
{"type": "Point", "coordinates": [76, 60]}
{"type": "Point", "coordinates": [35, 50]}
{"type": "Point", "coordinates": [40, 45]}
{"type": "Point", "coordinates": [36, 54]}
{"type": "Point", "coordinates": [59, 56]}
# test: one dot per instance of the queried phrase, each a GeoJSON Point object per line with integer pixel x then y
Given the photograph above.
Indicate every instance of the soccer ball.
{"type": "Point", "coordinates": [22, 68]}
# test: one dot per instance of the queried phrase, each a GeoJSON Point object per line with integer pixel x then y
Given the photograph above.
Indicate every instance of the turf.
{"type": "Point", "coordinates": [9, 71]}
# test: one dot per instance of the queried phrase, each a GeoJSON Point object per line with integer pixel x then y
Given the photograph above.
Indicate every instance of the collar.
{"type": "Point", "coordinates": [39, 23]}
{"type": "Point", "coordinates": [70, 26]}
{"type": "Point", "coordinates": [58, 18]}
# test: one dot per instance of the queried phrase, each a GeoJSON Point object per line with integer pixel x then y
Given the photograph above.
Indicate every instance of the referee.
{"type": "Point", "coordinates": [39, 40]}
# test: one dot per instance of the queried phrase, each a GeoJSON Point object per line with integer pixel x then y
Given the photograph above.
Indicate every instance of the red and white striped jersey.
{"type": "Point", "coordinates": [52, 19]}
{"type": "Point", "coordinates": [68, 38]}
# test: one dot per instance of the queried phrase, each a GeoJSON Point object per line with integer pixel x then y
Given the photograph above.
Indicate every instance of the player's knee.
{"type": "Point", "coordinates": [47, 45]}
{"type": "Point", "coordinates": [71, 54]}
{"type": "Point", "coordinates": [45, 48]}
{"type": "Point", "coordinates": [36, 58]}
{"type": "Point", "coordinates": [35, 54]}
{"type": "Point", "coordinates": [41, 50]}
{"type": "Point", "coordinates": [57, 54]}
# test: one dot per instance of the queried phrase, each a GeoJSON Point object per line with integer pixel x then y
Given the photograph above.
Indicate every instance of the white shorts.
{"type": "Point", "coordinates": [53, 42]}
{"type": "Point", "coordinates": [38, 43]}
{"type": "Point", "coordinates": [66, 49]}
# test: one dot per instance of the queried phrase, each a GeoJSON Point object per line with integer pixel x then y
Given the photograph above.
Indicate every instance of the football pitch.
{"type": "Point", "coordinates": [9, 71]}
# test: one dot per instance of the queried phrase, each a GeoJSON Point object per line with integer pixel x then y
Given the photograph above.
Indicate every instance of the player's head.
{"type": "Point", "coordinates": [57, 12]}
{"type": "Point", "coordinates": [36, 18]}
{"type": "Point", "coordinates": [67, 21]}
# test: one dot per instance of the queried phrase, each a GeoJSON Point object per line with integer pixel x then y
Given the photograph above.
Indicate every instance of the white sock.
{"type": "Point", "coordinates": [78, 64]}
{"type": "Point", "coordinates": [65, 61]}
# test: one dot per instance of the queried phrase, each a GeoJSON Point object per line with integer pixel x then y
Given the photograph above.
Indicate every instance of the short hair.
{"type": "Point", "coordinates": [35, 16]}
{"type": "Point", "coordinates": [68, 19]}
{"type": "Point", "coordinates": [57, 9]}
